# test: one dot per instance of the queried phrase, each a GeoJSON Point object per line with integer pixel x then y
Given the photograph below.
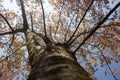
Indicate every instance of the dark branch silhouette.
{"type": "Point", "coordinates": [12, 40]}
{"type": "Point", "coordinates": [55, 56]}
{"type": "Point", "coordinates": [43, 17]}
{"type": "Point", "coordinates": [86, 32]}
{"type": "Point", "coordinates": [82, 33]}
{"type": "Point", "coordinates": [31, 21]}
{"type": "Point", "coordinates": [80, 21]}
{"type": "Point", "coordinates": [7, 22]}
{"type": "Point", "coordinates": [25, 23]}
{"type": "Point", "coordinates": [12, 32]}
{"type": "Point", "coordinates": [97, 26]}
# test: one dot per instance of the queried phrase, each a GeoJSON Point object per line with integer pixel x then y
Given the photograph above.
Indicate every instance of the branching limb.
{"type": "Point", "coordinates": [80, 21]}
{"type": "Point", "coordinates": [43, 18]}
{"type": "Point", "coordinates": [7, 22]}
{"type": "Point", "coordinates": [12, 32]}
{"type": "Point", "coordinates": [98, 26]}
{"type": "Point", "coordinates": [6, 33]}
{"type": "Point", "coordinates": [47, 40]}
{"type": "Point", "coordinates": [84, 32]}
{"type": "Point", "coordinates": [25, 22]}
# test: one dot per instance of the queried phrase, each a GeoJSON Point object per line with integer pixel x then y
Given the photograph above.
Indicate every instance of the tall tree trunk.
{"type": "Point", "coordinates": [54, 64]}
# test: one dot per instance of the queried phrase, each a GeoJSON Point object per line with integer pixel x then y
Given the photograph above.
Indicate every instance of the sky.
{"type": "Point", "coordinates": [12, 5]}
{"type": "Point", "coordinates": [100, 73]}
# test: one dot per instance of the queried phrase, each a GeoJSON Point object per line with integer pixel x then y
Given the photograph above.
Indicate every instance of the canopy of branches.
{"type": "Point", "coordinates": [91, 29]}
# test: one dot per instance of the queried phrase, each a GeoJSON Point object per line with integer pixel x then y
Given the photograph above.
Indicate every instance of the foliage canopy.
{"type": "Point", "coordinates": [90, 28]}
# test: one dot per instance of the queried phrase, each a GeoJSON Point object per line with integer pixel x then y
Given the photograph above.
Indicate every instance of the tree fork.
{"type": "Point", "coordinates": [57, 64]}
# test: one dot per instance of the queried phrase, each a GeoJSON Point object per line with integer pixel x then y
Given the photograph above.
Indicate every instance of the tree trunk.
{"type": "Point", "coordinates": [55, 64]}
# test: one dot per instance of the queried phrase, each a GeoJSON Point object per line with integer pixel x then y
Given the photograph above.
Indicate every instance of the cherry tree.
{"type": "Point", "coordinates": [62, 44]}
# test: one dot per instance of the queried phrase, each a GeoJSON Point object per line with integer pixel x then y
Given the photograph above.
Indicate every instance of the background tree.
{"type": "Point", "coordinates": [74, 30]}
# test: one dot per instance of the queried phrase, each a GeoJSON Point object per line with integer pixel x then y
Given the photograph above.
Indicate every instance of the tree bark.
{"type": "Point", "coordinates": [55, 64]}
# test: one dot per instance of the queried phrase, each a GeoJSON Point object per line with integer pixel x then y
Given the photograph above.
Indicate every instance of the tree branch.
{"type": "Point", "coordinates": [85, 32]}
{"type": "Point", "coordinates": [98, 26]}
{"type": "Point", "coordinates": [43, 18]}
{"type": "Point", "coordinates": [12, 40]}
{"type": "Point", "coordinates": [13, 52]}
{"type": "Point", "coordinates": [7, 22]}
{"type": "Point", "coordinates": [80, 21]}
{"type": "Point", "coordinates": [31, 21]}
{"type": "Point", "coordinates": [107, 64]}
{"type": "Point", "coordinates": [105, 58]}
{"type": "Point", "coordinates": [12, 32]}
{"type": "Point", "coordinates": [46, 39]}
{"type": "Point", "coordinates": [69, 26]}
{"type": "Point", "coordinates": [6, 33]}
{"type": "Point", "coordinates": [57, 25]}
{"type": "Point", "coordinates": [59, 18]}
{"type": "Point", "coordinates": [25, 23]}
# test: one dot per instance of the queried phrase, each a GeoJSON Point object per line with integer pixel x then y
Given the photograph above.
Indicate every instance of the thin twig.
{"type": "Point", "coordinates": [57, 24]}
{"type": "Point", "coordinates": [13, 52]}
{"type": "Point", "coordinates": [105, 58]}
{"type": "Point", "coordinates": [69, 26]}
{"type": "Point", "coordinates": [31, 21]}
{"type": "Point", "coordinates": [91, 52]}
{"type": "Point", "coordinates": [97, 48]}
{"type": "Point", "coordinates": [12, 40]}
{"type": "Point", "coordinates": [80, 21]}
{"type": "Point", "coordinates": [98, 26]}
{"type": "Point", "coordinates": [59, 18]}
{"type": "Point", "coordinates": [7, 22]}
{"type": "Point", "coordinates": [107, 64]}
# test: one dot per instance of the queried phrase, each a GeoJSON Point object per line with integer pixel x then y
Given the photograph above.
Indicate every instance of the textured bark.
{"type": "Point", "coordinates": [55, 64]}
